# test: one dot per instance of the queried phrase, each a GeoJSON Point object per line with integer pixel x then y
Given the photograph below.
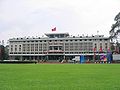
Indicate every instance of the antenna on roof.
{"type": "Point", "coordinates": [97, 32]}
{"type": "Point", "coordinates": [83, 35]}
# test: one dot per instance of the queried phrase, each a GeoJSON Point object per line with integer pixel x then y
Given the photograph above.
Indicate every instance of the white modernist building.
{"type": "Point", "coordinates": [57, 46]}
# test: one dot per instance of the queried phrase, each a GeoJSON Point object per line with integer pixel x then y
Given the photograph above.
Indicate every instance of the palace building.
{"type": "Point", "coordinates": [57, 46]}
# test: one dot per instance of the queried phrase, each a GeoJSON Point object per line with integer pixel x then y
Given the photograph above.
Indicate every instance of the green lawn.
{"type": "Point", "coordinates": [59, 76]}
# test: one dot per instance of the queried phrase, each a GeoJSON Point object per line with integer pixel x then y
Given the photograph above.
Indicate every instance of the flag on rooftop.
{"type": "Point", "coordinates": [54, 29]}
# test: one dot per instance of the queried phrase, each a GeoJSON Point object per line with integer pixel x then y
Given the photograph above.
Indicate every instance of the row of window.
{"type": "Point", "coordinates": [45, 44]}
{"type": "Point", "coordinates": [27, 53]}
{"type": "Point", "coordinates": [59, 40]}
{"type": "Point", "coordinates": [52, 52]}
{"type": "Point", "coordinates": [78, 44]}
{"type": "Point", "coordinates": [85, 48]}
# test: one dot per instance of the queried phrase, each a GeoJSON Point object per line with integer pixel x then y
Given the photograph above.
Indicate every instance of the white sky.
{"type": "Point", "coordinates": [20, 18]}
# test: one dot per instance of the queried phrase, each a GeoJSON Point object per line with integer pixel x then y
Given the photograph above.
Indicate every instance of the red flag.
{"type": "Point", "coordinates": [108, 49]}
{"type": "Point", "coordinates": [54, 29]}
{"type": "Point", "coordinates": [94, 49]}
{"type": "Point", "coordinates": [100, 49]}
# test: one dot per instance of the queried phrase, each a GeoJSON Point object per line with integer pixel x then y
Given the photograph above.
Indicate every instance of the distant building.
{"type": "Point", "coordinates": [57, 46]}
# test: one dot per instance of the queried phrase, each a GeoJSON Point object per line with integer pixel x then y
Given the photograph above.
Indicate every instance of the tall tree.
{"type": "Point", "coordinates": [115, 31]}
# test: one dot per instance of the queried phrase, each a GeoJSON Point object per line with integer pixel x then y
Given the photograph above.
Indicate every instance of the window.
{"type": "Point", "coordinates": [40, 47]}
{"type": "Point", "coordinates": [24, 47]}
{"type": "Point", "coordinates": [50, 48]}
{"type": "Point", "coordinates": [105, 39]}
{"type": "Point", "coordinates": [11, 45]}
{"type": "Point", "coordinates": [60, 48]}
{"type": "Point", "coordinates": [11, 49]}
{"type": "Point", "coordinates": [106, 46]}
{"type": "Point", "coordinates": [100, 45]}
{"type": "Point", "coordinates": [55, 48]}
{"type": "Point", "coordinates": [15, 47]}
{"type": "Point", "coordinates": [66, 44]}
{"type": "Point", "coordinates": [71, 44]}
{"type": "Point", "coordinates": [36, 47]}
{"type": "Point", "coordinates": [19, 47]}
{"type": "Point", "coordinates": [95, 45]}
{"type": "Point", "coordinates": [76, 44]}
{"type": "Point", "coordinates": [32, 47]}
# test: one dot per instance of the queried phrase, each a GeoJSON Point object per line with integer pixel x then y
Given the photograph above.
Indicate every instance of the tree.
{"type": "Point", "coordinates": [115, 31]}
{"type": "Point", "coordinates": [2, 52]}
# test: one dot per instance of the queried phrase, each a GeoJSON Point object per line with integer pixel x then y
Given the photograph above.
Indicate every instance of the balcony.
{"type": "Point", "coordinates": [55, 44]}
{"type": "Point", "coordinates": [52, 51]}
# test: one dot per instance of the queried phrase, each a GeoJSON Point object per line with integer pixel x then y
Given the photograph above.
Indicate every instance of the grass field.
{"type": "Point", "coordinates": [59, 76]}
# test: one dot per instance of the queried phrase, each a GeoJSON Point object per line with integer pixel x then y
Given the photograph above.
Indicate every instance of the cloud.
{"type": "Point", "coordinates": [35, 17]}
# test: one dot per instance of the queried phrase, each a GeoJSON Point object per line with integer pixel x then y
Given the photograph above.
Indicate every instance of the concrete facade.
{"type": "Point", "coordinates": [57, 46]}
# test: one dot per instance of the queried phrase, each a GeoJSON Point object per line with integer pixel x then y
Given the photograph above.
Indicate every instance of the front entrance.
{"type": "Point", "coordinates": [56, 57]}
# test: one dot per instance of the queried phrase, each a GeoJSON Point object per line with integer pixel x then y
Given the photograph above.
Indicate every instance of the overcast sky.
{"type": "Point", "coordinates": [20, 18]}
